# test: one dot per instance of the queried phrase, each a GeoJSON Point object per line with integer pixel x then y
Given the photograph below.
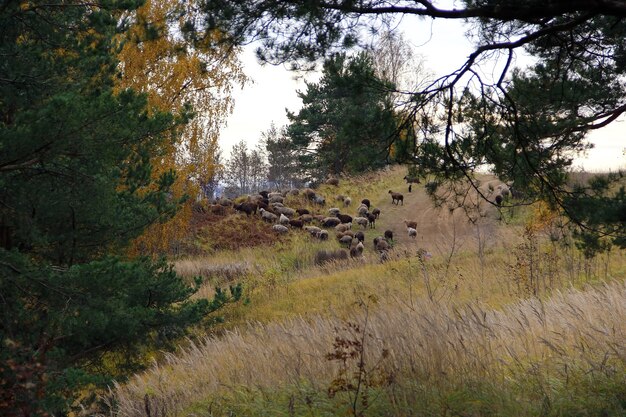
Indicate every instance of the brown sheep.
{"type": "Point", "coordinates": [396, 198]}
{"type": "Point", "coordinates": [389, 235]}
{"type": "Point", "coordinates": [323, 256]}
{"type": "Point", "coordinates": [332, 181]}
{"type": "Point", "coordinates": [302, 211]}
{"type": "Point", "coordinates": [371, 218]}
{"type": "Point", "coordinates": [248, 208]}
{"type": "Point", "coordinates": [411, 224]}
{"type": "Point", "coordinates": [296, 223]}
{"type": "Point", "coordinates": [344, 218]}
{"type": "Point", "coordinates": [376, 212]}
{"type": "Point", "coordinates": [306, 218]}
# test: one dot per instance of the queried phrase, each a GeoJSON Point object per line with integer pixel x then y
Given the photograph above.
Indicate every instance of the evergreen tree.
{"type": "Point", "coordinates": [75, 187]}
{"type": "Point", "coordinates": [346, 122]}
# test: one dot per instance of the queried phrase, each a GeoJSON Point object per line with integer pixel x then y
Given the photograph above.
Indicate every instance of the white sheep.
{"type": "Point", "coordinates": [283, 219]}
{"type": "Point", "coordinates": [267, 216]}
{"type": "Point", "coordinates": [279, 228]}
{"type": "Point", "coordinates": [334, 211]}
{"type": "Point", "coordinates": [313, 230]}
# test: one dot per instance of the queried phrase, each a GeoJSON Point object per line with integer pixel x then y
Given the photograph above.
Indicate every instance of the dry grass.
{"type": "Point", "coordinates": [427, 342]}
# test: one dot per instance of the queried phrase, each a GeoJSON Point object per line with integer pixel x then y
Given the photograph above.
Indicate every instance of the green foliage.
{"type": "Point", "coordinates": [347, 122]}
{"type": "Point", "coordinates": [75, 188]}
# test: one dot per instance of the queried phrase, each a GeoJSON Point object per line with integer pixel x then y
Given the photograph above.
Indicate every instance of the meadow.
{"type": "Point", "coordinates": [496, 317]}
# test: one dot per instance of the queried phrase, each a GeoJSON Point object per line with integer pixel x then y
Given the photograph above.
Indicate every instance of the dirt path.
{"type": "Point", "coordinates": [438, 230]}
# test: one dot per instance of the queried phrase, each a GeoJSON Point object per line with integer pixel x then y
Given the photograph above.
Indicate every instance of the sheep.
{"type": "Point", "coordinates": [274, 194]}
{"type": "Point", "coordinates": [362, 210]}
{"type": "Point", "coordinates": [225, 202]}
{"type": "Point", "coordinates": [334, 211]}
{"type": "Point", "coordinates": [283, 219]}
{"type": "Point", "coordinates": [376, 212]}
{"type": "Point", "coordinates": [347, 201]}
{"type": "Point", "coordinates": [366, 202]}
{"type": "Point", "coordinates": [361, 221]}
{"type": "Point", "coordinates": [344, 218]}
{"type": "Point", "coordinates": [287, 211]}
{"type": "Point", "coordinates": [330, 222]}
{"type": "Point", "coordinates": [217, 209]}
{"type": "Point", "coordinates": [343, 227]}
{"type": "Point", "coordinates": [322, 235]}
{"type": "Point", "coordinates": [357, 251]}
{"type": "Point", "coordinates": [277, 204]}
{"type": "Point", "coordinates": [294, 191]}
{"type": "Point", "coordinates": [412, 179]}
{"type": "Point", "coordinates": [389, 235]}
{"type": "Point", "coordinates": [262, 205]}
{"type": "Point", "coordinates": [396, 198]}
{"type": "Point", "coordinates": [319, 217]}
{"type": "Point", "coordinates": [264, 194]}
{"type": "Point", "coordinates": [309, 193]}
{"type": "Point", "coordinates": [346, 240]}
{"type": "Point", "coordinates": [279, 228]}
{"type": "Point", "coordinates": [382, 245]}
{"type": "Point", "coordinates": [268, 216]}
{"type": "Point", "coordinates": [302, 211]}
{"type": "Point", "coordinates": [332, 181]}
{"type": "Point", "coordinates": [296, 223]}
{"type": "Point", "coordinates": [360, 236]}
{"type": "Point", "coordinates": [410, 224]}
{"type": "Point", "coordinates": [371, 218]}
{"type": "Point", "coordinates": [377, 239]}
{"type": "Point", "coordinates": [306, 218]}
{"type": "Point", "coordinates": [313, 230]}
{"type": "Point", "coordinates": [248, 208]}
{"type": "Point", "coordinates": [412, 232]}
{"type": "Point", "coordinates": [340, 197]}
{"type": "Point", "coordinates": [323, 256]}
{"type": "Point", "coordinates": [349, 233]}
{"type": "Point", "coordinates": [277, 199]}
{"type": "Point", "coordinates": [319, 200]}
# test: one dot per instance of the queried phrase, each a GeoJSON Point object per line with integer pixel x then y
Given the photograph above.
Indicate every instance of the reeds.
{"type": "Point", "coordinates": [428, 343]}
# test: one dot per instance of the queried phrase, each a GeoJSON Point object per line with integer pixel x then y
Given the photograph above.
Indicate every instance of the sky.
{"type": "Point", "coordinates": [443, 47]}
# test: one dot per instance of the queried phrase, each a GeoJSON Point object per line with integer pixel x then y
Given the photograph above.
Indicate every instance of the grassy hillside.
{"type": "Point", "coordinates": [495, 317]}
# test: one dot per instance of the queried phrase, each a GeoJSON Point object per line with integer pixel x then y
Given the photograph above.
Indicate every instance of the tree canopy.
{"type": "Point", "coordinates": [527, 123]}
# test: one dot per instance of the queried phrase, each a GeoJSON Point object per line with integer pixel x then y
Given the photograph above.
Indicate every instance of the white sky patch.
{"type": "Point", "coordinates": [444, 47]}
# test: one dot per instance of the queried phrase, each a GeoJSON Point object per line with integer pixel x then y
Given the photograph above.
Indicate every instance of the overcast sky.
{"type": "Point", "coordinates": [444, 48]}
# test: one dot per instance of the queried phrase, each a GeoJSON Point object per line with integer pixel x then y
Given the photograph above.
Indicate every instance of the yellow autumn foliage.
{"type": "Point", "coordinates": [174, 71]}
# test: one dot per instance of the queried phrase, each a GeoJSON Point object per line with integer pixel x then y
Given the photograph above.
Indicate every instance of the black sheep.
{"type": "Point", "coordinates": [366, 202]}
{"type": "Point", "coordinates": [344, 218]}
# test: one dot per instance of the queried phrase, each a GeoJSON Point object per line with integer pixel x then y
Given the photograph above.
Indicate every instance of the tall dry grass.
{"type": "Point", "coordinates": [428, 344]}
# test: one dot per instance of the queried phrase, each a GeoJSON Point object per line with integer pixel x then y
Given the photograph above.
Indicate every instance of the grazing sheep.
{"type": "Point", "coordinates": [323, 256]}
{"type": "Point", "coordinates": [296, 223]}
{"type": "Point", "coordinates": [319, 200]}
{"type": "Point", "coordinates": [264, 194]}
{"type": "Point", "coordinates": [346, 240]}
{"type": "Point", "coordinates": [396, 198]}
{"type": "Point", "coordinates": [332, 181]}
{"type": "Point", "coordinates": [287, 211]}
{"type": "Point", "coordinates": [262, 205]}
{"type": "Point", "coordinates": [344, 218]}
{"type": "Point", "coordinates": [306, 218]}
{"type": "Point", "coordinates": [268, 216]}
{"type": "Point", "coordinates": [217, 209]}
{"type": "Point", "coordinates": [347, 201]}
{"type": "Point", "coordinates": [371, 218]}
{"type": "Point", "coordinates": [322, 235]}
{"type": "Point", "coordinates": [330, 222]}
{"type": "Point", "coordinates": [277, 199]}
{"type": "Point", "coordinates": [382, 245]}
{"type": "Point", "coordinates": [410, 224]}
{"type": "Point", "coordinates": [274, 194]}
{"type": "Point", "coordinates": [361, 221]}
{"type": "Point", "coordinates": [279, 228]}
{"type": "Point", "coordinates": [319, 217]}
{"type": "Point", "coordinates": [349, 233]}
{"type": "Point", "coordinates": [225, 202]}
{"type": "Point", "coordinates": [308, 193]}
{"type": "Point", "coordinates": [376, 212]}
{"type": "Point", "coordinates": [412, 179]}
{"type": "Point", "coordinates": [248, 208]}
{"type": "Point", "coordinates": [412, 232]}
{"type": "Point", "coordinates": [334, 211]}
{"type": "Point", "coordinates": [276, 204]}
{"type": "Point", "coordinates": [283, 219]}
{"type": "Point", "coordinates": [302, 211]}
{"type": "Point", "coordinates": [343, 227]}
{"type": "Point", "coordinates": [366, 202]}
{"type": "Point", "coordinates": [389, 235]}
{"type": "Point", "coordinates": [313, 230]}
{"type": "Point", "coordinates": [357, 251]}
{"type": "Point", "coordinates": [377, 239]}
{"type": "Point", "coordinates": [362, 210]}
{"type": "Point", "coordinates": [360, 236]}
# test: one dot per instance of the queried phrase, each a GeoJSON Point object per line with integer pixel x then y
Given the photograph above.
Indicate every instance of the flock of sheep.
{"type": "Point", "coordinates": [272, 208]}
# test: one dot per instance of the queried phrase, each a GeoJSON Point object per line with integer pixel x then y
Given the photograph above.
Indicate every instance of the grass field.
{"type": "Point", "coordinates": [492, 318]}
